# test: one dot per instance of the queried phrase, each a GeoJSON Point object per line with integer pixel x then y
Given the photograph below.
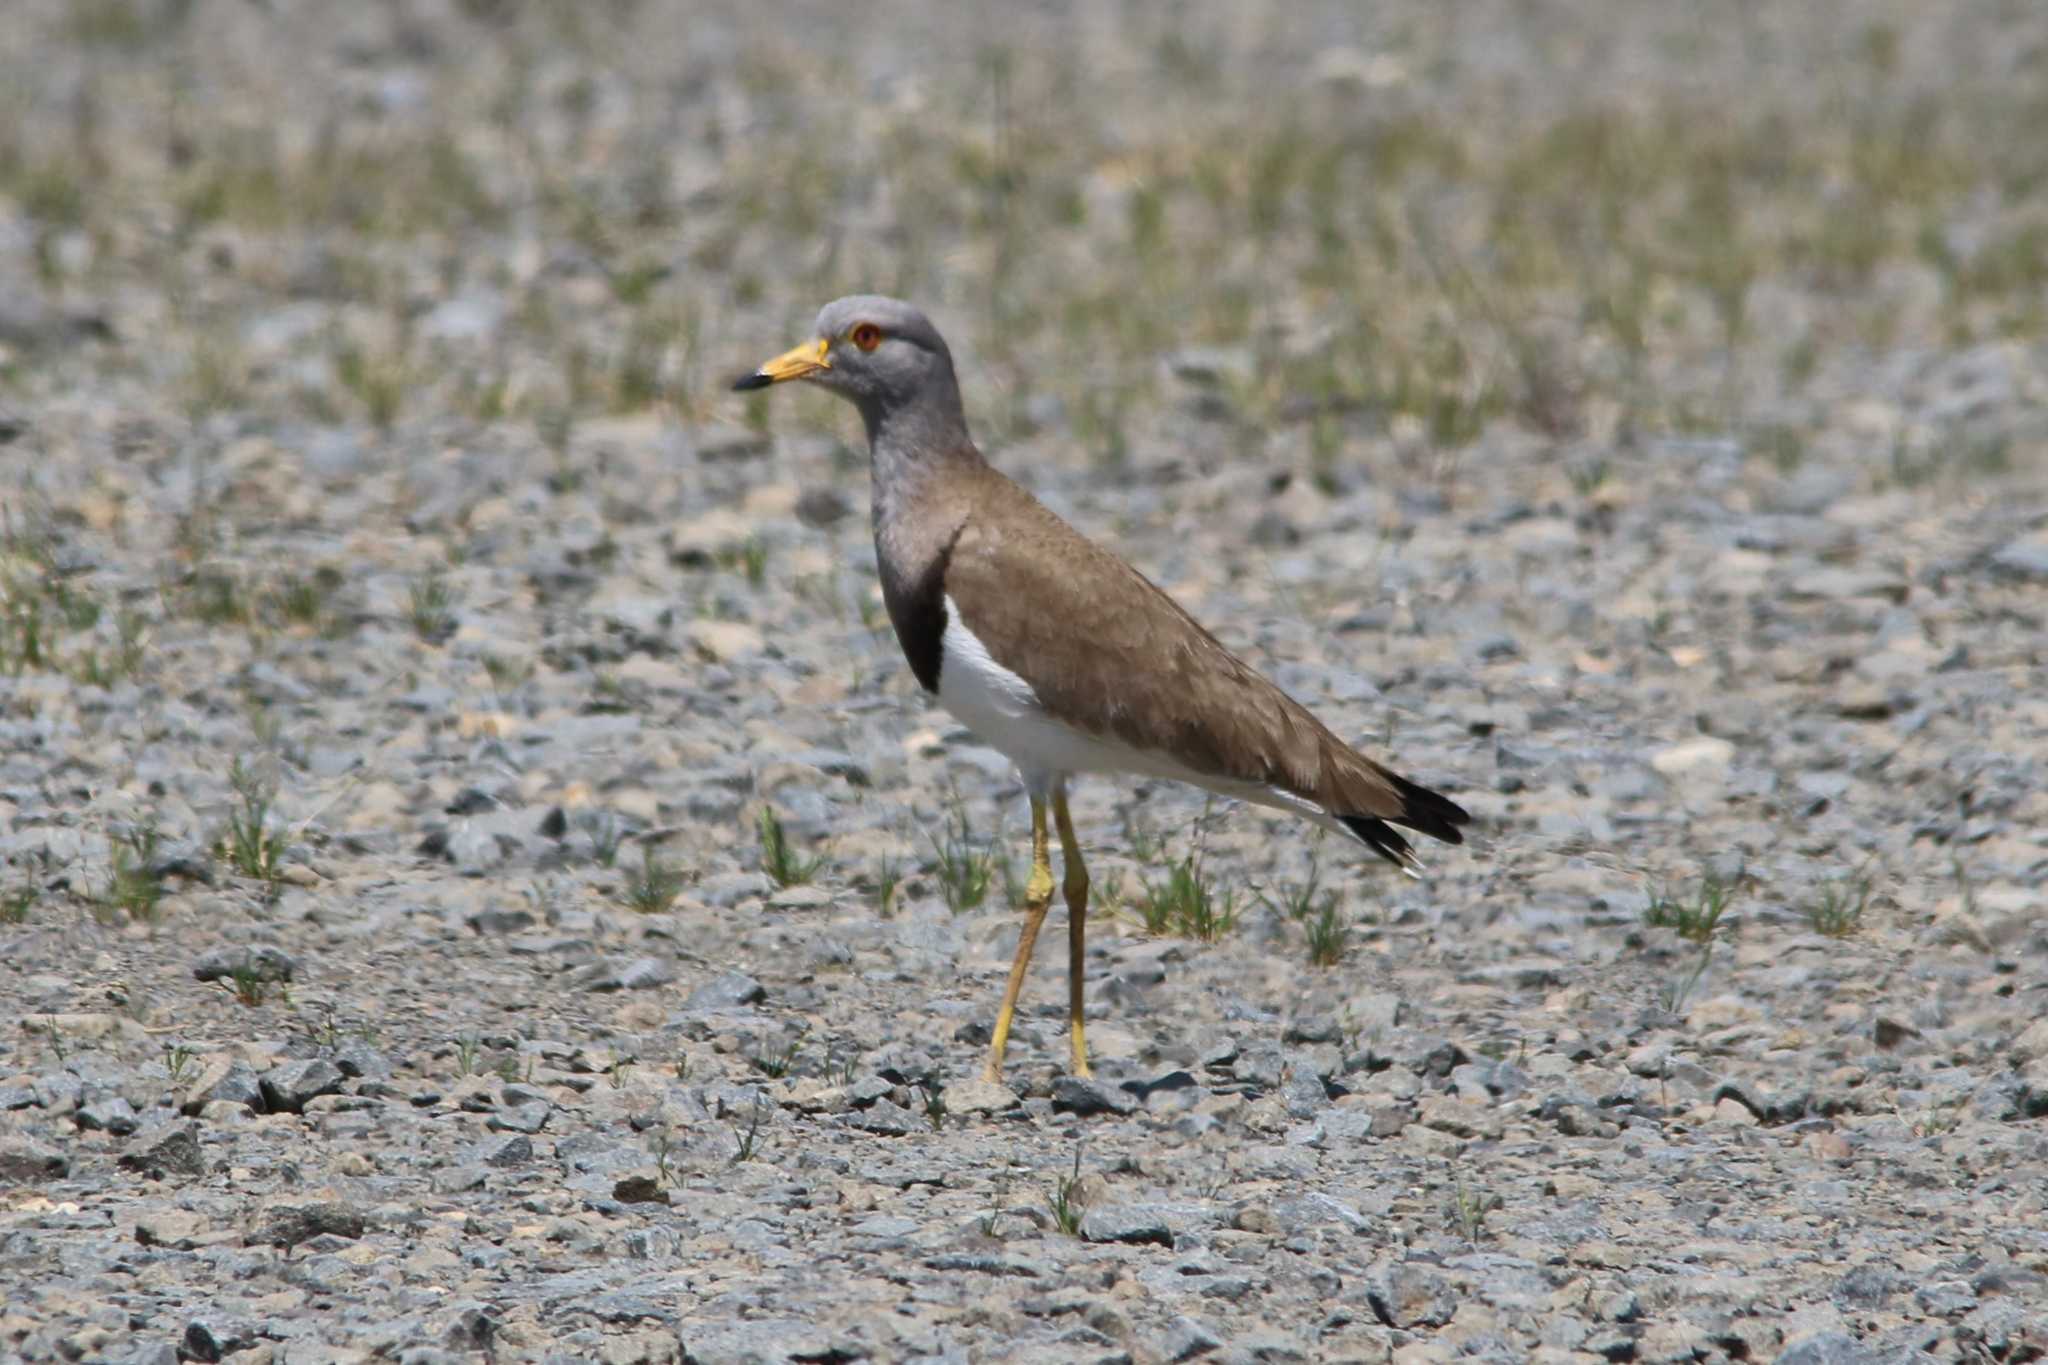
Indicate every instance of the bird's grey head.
{"type": "Point", "coordinates": [883, 355]}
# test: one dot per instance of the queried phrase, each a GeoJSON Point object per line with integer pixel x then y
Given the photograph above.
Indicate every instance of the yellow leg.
{"type": "Point", "coordinates": [1077, 928]}
{"type": "Point", "coordinates": [1037, 900]}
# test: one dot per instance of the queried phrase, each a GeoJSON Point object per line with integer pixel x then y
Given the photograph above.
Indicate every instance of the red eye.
{"type": "Point", "coordinates": [867, 336]}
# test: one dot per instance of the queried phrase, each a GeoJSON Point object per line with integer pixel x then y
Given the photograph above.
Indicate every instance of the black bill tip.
{"type": "Point", "coordinates": [756, 380]}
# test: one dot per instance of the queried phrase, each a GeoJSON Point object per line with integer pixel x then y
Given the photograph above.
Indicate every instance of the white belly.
{"type": "Point", "coordinates": [1006, 714]}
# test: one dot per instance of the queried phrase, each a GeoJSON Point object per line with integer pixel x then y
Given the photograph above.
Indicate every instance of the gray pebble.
{"type": "Point", "coordinates": [224, 1081]}
{"type": "Point", "coordinates": [640, 1187]}
{"type": "Point", "coordinates": [771, 1339]}
{"type": "Point", "coordinates": [106, 1113]}
{"type": "Point", "coordinates": [1413, 1295]}
{"type": "Point", "coordinates": [262, 963]}
{"type": "Point", "coordinates": [510, 1149]}
{"type": "Point", "coordinates": [1087, 1095]}
{"type": "Point", "coordinates": [287, 1086]}
{"type": "Point", "coordinates": [212, 1337]}
{"type": "Point", "coordinates": [530, 1117]}
{"type": "Point", "coordinates": [460, 1179]}
{"type": "Point", "coordinates": [733, 990]}
{"type": "Point", "coordinates": [2026, 557]}
{"type": "Point", "coordinates": [1303, 1094]}
{"type": "Point", "coordinates": [1825, 1348]}
{"type": "Point", "coordinates": [500, 920]}
{"type": "Point", "coordinates": [615, 974]}
{"type": "Point", "coordinates": [171, 1151]}
{"type": "Point", "coordinates": [1188, 1338]}
{"type": "Point", "coordinates": [1138, 1223]}
{"type": "Point", "coordinates": [358, 1060]}
{"type": "Point", "coordinates": [25, 1161]}
{"type": "Point", "coordinates": [290, 1224]}
{"type": "Point", "coordinates": [887, 1118]}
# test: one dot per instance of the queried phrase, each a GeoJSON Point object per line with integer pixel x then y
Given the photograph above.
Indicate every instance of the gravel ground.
{"type": "Point", "coordinates": [410, 654]}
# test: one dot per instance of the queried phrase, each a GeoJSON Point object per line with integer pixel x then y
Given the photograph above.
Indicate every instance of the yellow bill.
{"type": "Point", "coordinates": [794, 363]}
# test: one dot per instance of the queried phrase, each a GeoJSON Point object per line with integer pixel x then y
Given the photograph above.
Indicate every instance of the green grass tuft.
{"type": "Point", "coordinates": [1695, 917]}
{"type": "Point", "coordinates": [655, 886]}
{"type": "Point", "coordinates": [430, 608]}
{"type": "Point", "coordinates": [249, 845]}
{"type": "Point", "coordinates": [133, 885]}
{"type": "Point", "coordinates": [1186, 903]}
{"type": "Point", "coordinates": [1837, 912]}
{"type": "Point", "coordinates": [779, 858]}
{"type": "Point", "coordinates": [965, 868]}
{"type": "Point", "coordinates": [1063, 1203]}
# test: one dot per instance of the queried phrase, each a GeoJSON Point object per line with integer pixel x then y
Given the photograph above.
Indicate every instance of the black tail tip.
{"type": "Point", "coordinates": [1381, 838]}
{"type": "Point", "coordinates": [1431, 814]}
{"type": "Point", "coordinates": [756, 380]}
{"type": "Point", "coordinates": [1422, 810]}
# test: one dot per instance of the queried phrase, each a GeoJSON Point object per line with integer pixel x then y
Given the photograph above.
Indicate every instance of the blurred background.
{"type": "Point", "coordinates": [1335, 233]}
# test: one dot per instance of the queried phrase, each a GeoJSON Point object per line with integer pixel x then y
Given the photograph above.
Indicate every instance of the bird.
{"type": "Point", "coordinates": [1058, 654]}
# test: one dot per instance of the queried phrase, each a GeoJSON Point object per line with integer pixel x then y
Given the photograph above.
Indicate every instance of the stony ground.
{"type": "Point", "coordinates": [480, 880]}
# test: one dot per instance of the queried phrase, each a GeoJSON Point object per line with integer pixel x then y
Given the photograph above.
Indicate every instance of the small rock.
{"type": "Point", "coordinates": [1303, 1094]}
{"type": "Point", "coordinates": [1825, 1348]}
{"type": "Point", "coordinates": [1888, 1033]}
{"type": "Point", "coordinates": [655, 1243]}
{"type": "Point", "coordinates": [1460, 1118]}
{"type": "Point", "coordinates": [1211, 367]}
{"type": "Point", "coordinates": [1701, 755]}
{"type": "Point", "coordinates": [173, 1151]}
{"type": "Point", "coordinates": [1945, 1298]}
{"type": "Point", "coordinates": [224, 1081]}
{"type": "Point", "coordinates": [459, 1179]}
{"type": "Point", "coordinates": [287, 1225]}
{"type": "Point", "coordinates": [529, 1117]}
{"type": "Point", "coordinates": [212, 1337]}
{"type": "Point", "coordinates": [471, 1329]}
{"type": "Point", "coordinates": [497, 919]}
{"type": "Point", "coordinates": [612, 974]}
{"type": "Point", "coordinates": [821, 506]}
{"type": "Point", "coordinates": [1136, 1223]}
{"type": "Point", "coordinates": [2031, 1043]}
{"type": "Point", "coordinates": [724, 641]}
{"type": "Point", "coordinates": [1189, 1339]}
{"type": "Point", "coordinates": [733, 990]}
{"type": "Point", "coordinates": [24, 1161]}
{"type": "Point", "coordinates": [739, 1342]}
{"type": "Point", "coordinates": [1730, 1110]}
{"type": "Point", "coordinates": [644, 973]}
{"type": "Point", "coordinates": [979, 1097]}
{"type": "Point", "coordinates": [174, 1228]}
{"type": "Point", "coordinates": [891, 1120]}
{"type": "Point", "coordinates": [1313, 1028]}
{"type": "Point", "coordinates": [2026, 557]}
{"type": "Point", "coordinates": [1086, 1095]}
{"type": "Point", "coordinates": [1619, 1306]}
{"type": "Point", "coordinates": [510, 1149]}
{"type": "Point", "coordinates": [1413, 1295]}
{"type": "Point", "coordinates": [1615, 1344]}
{"type": "Point", "coordinates": [640, 1187]}
{"type": "Point", "coordinates": [261, 964]}
{"type": "Point", "coordinates": [288, 1086]}
{"type": "Point", "coordinates": [106, 1113]}
{"type": "Point", "coordinates": [358, 1060]}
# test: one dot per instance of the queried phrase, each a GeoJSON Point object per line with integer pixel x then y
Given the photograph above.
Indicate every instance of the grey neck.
{"type": "Point", "coordinates": [907, 442]}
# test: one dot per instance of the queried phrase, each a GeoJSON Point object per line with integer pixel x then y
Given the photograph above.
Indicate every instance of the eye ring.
{"type": "Point", "coordinates": [865, 335]}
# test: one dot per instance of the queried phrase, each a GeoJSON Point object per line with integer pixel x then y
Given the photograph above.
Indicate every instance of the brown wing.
{"type": "Point", "coordinates": [1110, 653]}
